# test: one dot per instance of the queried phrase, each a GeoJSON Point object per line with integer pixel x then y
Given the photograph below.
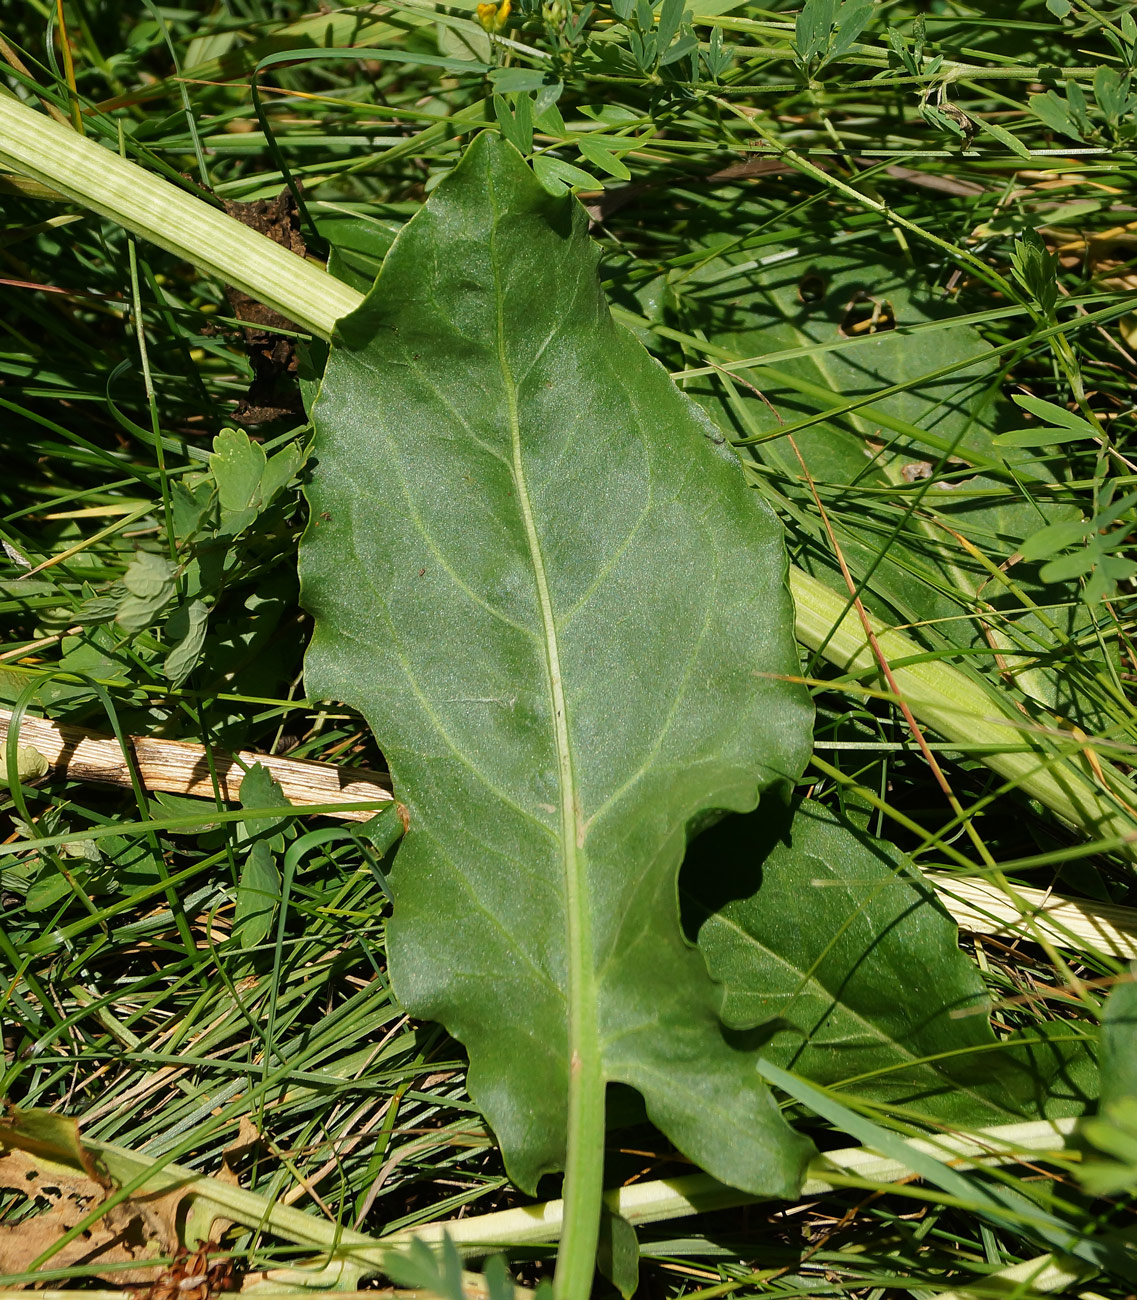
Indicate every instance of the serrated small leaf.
{"type": "Point", "coordinates": [567, 660]}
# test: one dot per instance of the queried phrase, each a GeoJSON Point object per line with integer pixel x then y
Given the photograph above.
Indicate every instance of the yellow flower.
{"type": "Point", "coordinates": [493, 17]}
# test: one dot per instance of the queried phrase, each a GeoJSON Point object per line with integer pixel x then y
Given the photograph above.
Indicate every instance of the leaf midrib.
{"type": "Point", "coordinates": [583, 1026]}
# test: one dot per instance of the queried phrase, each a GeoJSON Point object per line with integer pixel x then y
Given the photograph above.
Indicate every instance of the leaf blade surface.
{"type": "Point", "coordinates": [832, 941]}
{"type": "Point", "coordinates": [560, 615]}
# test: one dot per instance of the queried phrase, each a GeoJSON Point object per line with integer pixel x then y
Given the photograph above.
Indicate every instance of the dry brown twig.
{"type": "Point", "coordinates": [179, 767]}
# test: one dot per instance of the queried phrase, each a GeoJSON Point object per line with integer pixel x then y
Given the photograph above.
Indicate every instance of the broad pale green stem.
{"type": "Point", "coordinates": [651, 1202]}
{"type": "Point", "coordinates": [959, 708]}
{"type": "Point", "coordinates": [95, 177]}
{"type": "Point", "coordinates": [674, 1198]}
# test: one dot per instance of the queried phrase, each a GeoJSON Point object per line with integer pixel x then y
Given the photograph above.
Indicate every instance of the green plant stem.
{"type": "Point", "coordinates": [650, 1202]}
{"type": "Point", "coordinates": [940, 695]}
{"type": "Point", "coordinates": [960, 708]}
{"type": "Point", "coordinates": [584, 1180]}
{"type": "Point", "coordinates": [665, 1199]}
{"type": "Point", "coordinates": [96, 178]}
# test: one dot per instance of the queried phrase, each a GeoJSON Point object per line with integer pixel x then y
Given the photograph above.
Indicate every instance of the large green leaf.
{"type": "Point", "coordinates": [1112, 1133]}
{"type": "Point", "coordinates": [839, 949]}
{"type": "Point", "coordinates": [1119, 1044]}
{"type": "Point", "coordinates": [540, 575]}
{"type": "Point", "coordinates": [924, 536]}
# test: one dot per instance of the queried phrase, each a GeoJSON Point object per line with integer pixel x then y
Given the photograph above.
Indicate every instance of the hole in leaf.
{"type": "Point", "coordinates": [811, 288]}
{"type": "Point", "coordinates": [867, 315]}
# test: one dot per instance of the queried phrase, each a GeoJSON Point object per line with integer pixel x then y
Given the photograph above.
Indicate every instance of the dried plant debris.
{"type": "Point", "coordinates": [193, 1275]}
{"type": "Point", "coordinates": [120, 1239]}
{"type": "Point", "coordinates": [274, 393]}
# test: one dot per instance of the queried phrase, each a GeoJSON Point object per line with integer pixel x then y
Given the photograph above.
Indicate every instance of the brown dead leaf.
{"type": "Point", "coordinates": [131, 1232]}
{"type": "Point", "coordinates": [43, 1158]}
{"type": "Point", "coordinates": [199, 1275]}
{"type": "Point", "coordinates": [248, 1137]}
{"type": "Point", "coordinates": [43, 1133]}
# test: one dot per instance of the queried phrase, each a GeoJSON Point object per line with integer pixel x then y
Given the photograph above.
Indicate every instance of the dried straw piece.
{"type": "Point", "coordinates": [984, 908]}
{"type": "Point", "coordinates": [178, 767]}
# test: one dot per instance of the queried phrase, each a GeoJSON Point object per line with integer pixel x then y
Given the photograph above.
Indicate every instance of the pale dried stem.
{"type": "Point", "coordinates": [179, 767]}
{"type": "Point", "coordinates": [983, 907]}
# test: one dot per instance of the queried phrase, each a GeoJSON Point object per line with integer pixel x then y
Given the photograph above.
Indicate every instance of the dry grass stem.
{"type": "Point", "coordinates": [179, 767]}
